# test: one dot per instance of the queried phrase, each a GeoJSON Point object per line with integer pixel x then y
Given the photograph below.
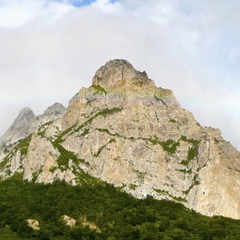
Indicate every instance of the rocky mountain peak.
{"type": "Point", "coordinates": [56, 108]}
{"type": "Point", "coordinates": [20, 127]}
{"type": "Point", "coordinates": [26, 123]}
{"type": "Point", "coordinates": [25, 116]}
{"type": "Point", "coordinates": [119, 73]}
{"type": "Point", "coordinates": [128, 132]}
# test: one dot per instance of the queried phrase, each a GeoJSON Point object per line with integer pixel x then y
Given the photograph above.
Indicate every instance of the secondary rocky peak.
{"type": "Point", "coordinates": [27, 123]}
{"type": "Point", "coordinates": [56, 108]}
{"type": "Point", "coordinates": [25, 116]}
{"type": "Point", "coordinates": [20, 127]}
{"type": "Point", "coordinates": [118, 73]}
{"type": "Point", "coordinates": [26, 111]}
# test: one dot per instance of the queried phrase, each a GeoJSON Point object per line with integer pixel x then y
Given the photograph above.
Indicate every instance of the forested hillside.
{"type": "Point", "coordinates": [101, 212]}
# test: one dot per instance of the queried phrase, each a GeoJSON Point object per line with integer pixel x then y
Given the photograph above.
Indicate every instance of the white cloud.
{"type": "Point", "coordinates": [50, 49]}
{"type": "Point", "coordinates": [14, 13]}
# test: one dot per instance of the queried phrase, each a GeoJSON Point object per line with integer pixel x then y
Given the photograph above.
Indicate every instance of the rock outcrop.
{"type": "Point", "coordinates": [71, 222]}
{"type": "Point", "coordinates": [128, 132]}
{"type": "Point", "coordinates": [33, 223]}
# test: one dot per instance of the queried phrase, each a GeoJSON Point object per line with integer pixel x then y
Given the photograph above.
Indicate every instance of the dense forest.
{"type": "Point", "coordinates": [101, 212]}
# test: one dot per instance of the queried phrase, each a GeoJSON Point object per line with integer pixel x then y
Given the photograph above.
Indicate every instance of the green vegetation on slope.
{"type": "Point", "coordinates": [84, 126]}
{"type": "Point", "coordinates": [22, 146]}
{"type": "Point", "coordinates": [99, 89]}
{"type": "Point", "coordinates": [7, 234]}
{"type": "Point", "coordinates": [116, 214]}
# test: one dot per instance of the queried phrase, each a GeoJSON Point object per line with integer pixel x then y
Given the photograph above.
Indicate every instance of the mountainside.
{"type": "Point", "coordinates": [128, 132]}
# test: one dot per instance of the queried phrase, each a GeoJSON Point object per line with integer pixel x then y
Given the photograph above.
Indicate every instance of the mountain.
{"type": "Point", "coordinates": [126, 131]}
{"type": "Point", "coordinates": [26, 123]}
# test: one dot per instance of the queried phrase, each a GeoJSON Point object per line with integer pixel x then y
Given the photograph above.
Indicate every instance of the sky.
{"type": "Point", "coordinates": [51, 49]}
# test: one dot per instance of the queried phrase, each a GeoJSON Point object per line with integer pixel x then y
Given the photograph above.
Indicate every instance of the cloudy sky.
{"type": "Point", "coordinates": [49, 49]}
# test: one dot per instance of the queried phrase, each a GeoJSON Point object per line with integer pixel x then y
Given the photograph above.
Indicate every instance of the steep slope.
{"type": "Point", "coordinates": [128, 132]}
{"type": "Point", "coordinates": [15, 142]}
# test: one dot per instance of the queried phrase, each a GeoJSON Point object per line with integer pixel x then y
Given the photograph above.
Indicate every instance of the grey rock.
{"type": "Point", "coordinates": [119, 72]}
{"type": "Point", "coordinates": [20, 128]}
{"type": "Point", "coordinates": [57, 109]}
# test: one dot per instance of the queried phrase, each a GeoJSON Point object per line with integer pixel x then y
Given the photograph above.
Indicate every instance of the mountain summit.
{"type": "Point", "coordinates": [128, 132]}
{"type": "Point", "coordinates": [119, 73]}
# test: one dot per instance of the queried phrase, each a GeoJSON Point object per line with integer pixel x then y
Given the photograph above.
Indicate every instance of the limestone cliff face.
{"type": "Point", "coordinates": [128, 132]}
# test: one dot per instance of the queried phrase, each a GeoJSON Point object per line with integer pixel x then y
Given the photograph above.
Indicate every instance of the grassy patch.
{"type": "Point", "coordinates": [24, 144]}
{"type": "Point", "coordinates": [185, 162]}
{"type": "Point", "coordinates": [59, 138]}
{"type": "Point", "coordinates": [99, 89]}
{"type": "Point", "coordinates": [169, 146]}
{"type": "Point", "coordinates": [102, 147]}
{"type": "Point", "coordinates": [4, 163]}
{"type": "Point", "coordinates": [132, 186]}
{"type": "Point", "coordinates": [85, 132]}
{"type": "Point", "coordinates": [185, 170]}
{"type": "Point", "coordinates": [192, 151]}
{"type": "Point", "coordinates": [194, 183]}
{"type": "Point", "coordinates": [42, 129]}
{"type": "Point", "coordinates": [65, 156]}
{"type": "Point", "coordinates": [166, 193]}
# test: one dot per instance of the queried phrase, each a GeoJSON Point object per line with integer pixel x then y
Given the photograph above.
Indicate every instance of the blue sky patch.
{"type": "Point", "coordinates": [81, 3]}
{"type": "Point", "coordinates": [77, 3]}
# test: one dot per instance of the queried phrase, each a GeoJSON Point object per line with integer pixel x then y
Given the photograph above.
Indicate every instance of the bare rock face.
{"type": "Point", "coordinates": [57, 109]}
{"type": "Point", "coordinates": [128, 132]}
{"type": "Point", "coordinates": [20, 128]}
{"type": "Point", "coordinates": [118, 74]}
